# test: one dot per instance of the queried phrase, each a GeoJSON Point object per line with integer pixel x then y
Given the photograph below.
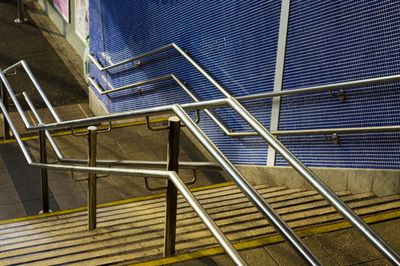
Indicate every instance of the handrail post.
{"type": "Point", "coordinates": [92, 182]}
{"type": "Point", "coordinates": [4, 98]}
{"type": "Point", "coordinates": [43, 171]}
{"type": "Point", "coordinates": [20, 12]}
{"type": "Point", "coordinates": [172, 192]}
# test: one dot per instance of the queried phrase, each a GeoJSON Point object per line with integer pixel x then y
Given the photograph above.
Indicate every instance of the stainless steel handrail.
{"type": "Point", "coordinates": [202, 166]}
{"type": "Point", "coordinates": [360, 225]}
{"type": "Point", "coordinates": [324, 190]}
{"type": "Point", "coordinates": [129, 86]}
{"type": "Point", "coordinates": [171, 175]}
{"type": "Point", "coordinates": [181, 85]}
{"type": "Point", "coordinates": [266, 210]}
{"type": "Point", "coordinates": [304, 171]}
{"type": "Point", "coordinates": [225, 130]}
{"type": "Point", "coordinates": [37, 86]}
{"type": "Point", "coordinates": [166, 109]}
{"type": "Point", "coordinates": [275, 220]}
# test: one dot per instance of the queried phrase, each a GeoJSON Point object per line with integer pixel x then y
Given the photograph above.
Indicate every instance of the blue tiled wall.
{"type": "Point", "coordinates": [337, 41]}
{"type": "Point", "coordinates": [235, 41]}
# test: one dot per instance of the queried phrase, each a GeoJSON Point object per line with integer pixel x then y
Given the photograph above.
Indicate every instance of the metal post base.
{"type": "Point", "coordinates": [19, 21]}
{"type": "Point", "coordinates": [41, 211]}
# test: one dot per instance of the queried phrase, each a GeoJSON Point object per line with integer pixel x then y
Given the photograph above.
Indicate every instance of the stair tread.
{"type": "Point", "coordinates": [123, 246]}
{"type": "Point", "coordinates": [134, 231]}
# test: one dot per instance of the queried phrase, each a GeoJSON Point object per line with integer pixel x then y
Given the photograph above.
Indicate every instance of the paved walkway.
{"type": "Point", "coordinates": [27, 42]}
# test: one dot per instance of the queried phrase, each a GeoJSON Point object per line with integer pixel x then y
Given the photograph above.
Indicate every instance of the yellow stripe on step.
{"type": "Point", "coordinates": [268, 240]}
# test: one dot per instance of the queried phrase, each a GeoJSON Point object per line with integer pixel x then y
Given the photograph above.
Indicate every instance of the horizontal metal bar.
{"type": "Point", "coordinates": [129, 86]}
{"type": "Point", "coordinates": [159, 110]}
{"type": "Point", "coordinates": [201, 105]}
{"type": "Point", "coordinates": [337, 130]}
{"type": "Point", "coordinates": [335, 86]}
{"type": "Point", "coordinates": [136, 58]}
{"type": "Point", "coordinates": [227, 132]}
{"type": "Point", "coordinates": [204, 166]}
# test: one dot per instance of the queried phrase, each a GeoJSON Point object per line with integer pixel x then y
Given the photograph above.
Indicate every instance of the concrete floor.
{"type": "Point", "coordinates": [27, 42]}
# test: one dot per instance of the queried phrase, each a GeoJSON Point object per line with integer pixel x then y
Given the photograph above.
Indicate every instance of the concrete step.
{"type": "Point", "coordinates": [132, 231]}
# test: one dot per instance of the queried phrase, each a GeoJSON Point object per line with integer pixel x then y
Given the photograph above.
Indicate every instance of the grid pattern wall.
{"type": "Point", "coordinates": [234, 41]}
{"type": "Point", "coordinates": [336, 41]}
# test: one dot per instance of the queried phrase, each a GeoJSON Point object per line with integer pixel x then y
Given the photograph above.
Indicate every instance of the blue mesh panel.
{"type": "Point", "coordinates": [338, 41]}
{"type": "Point", "coordinates": [233, 40]}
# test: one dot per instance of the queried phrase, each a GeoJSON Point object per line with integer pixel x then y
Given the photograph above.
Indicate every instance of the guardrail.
{"type": "Point", "coordinates": [247, 189]}
{"type": "Point", "coordinates": [263, 95]}
{"type": "Point", "coordinates": [174, 182]}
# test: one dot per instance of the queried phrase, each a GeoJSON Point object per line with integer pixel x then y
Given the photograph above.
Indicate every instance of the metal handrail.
{"type": "Point", "coordinates": [37, 86]}
{"type": "Point", "coordinates": [263, 95]}
{"type": "Point", "coordinates": [305, 172]}
{"type": "Point", "coordinates": [227, 132]}
{"type": "Point", "coordinates": [171, 175]}
{"type": "Point", "coordinates": [180, 83]}
{"type": "Point", "coordinates": [242, 183]}
{"type": "Point", "coordinates": [265, 209]}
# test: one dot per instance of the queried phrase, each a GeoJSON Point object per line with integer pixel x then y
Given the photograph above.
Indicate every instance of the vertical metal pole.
{"type": "Point", "coordinates": [172, 193]}
{"type": "Point", "coordinates": [92, 182]}
{"type": "Point", "coordinates": [4, 98]}
{"type": "Point", "coordinates": [20, 12]}
{"type": "Point", "coordinates": [279, 72]}
{"type": "Point", "coordinates": [43, 172]}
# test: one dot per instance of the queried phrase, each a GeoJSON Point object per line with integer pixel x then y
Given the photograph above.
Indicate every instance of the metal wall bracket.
{"type": "Point", "coordinates": [191, 182]}
{"type": "Point", "coordinates": [159, 128]}
{"type": "Point", "coordinates": [78, 134]}
{"type": "Point", "coordinates": [340, 94]}
{"type": "Point", "coordinates": [11, 73]}
{"type": "Point", "coordinates": [137, 63]}
{"type": "Point", "coordinates": [334, 138]}
{"type": "Point", "coordinates": [149, 188]}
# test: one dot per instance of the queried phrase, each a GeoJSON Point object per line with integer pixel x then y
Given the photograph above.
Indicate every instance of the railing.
{"type": "Point", "coordinates": [264, 95]}
{"type": "Point", "coordinates": [274, 143]}
{"type": "Point", "coordinates": [174, 181]}
{"type": "Point", "coordinates": [248, 190]}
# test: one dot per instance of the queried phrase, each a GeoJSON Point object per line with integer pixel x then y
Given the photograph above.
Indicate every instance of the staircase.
{"type": "Point", "coordinates": [132, 231]}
